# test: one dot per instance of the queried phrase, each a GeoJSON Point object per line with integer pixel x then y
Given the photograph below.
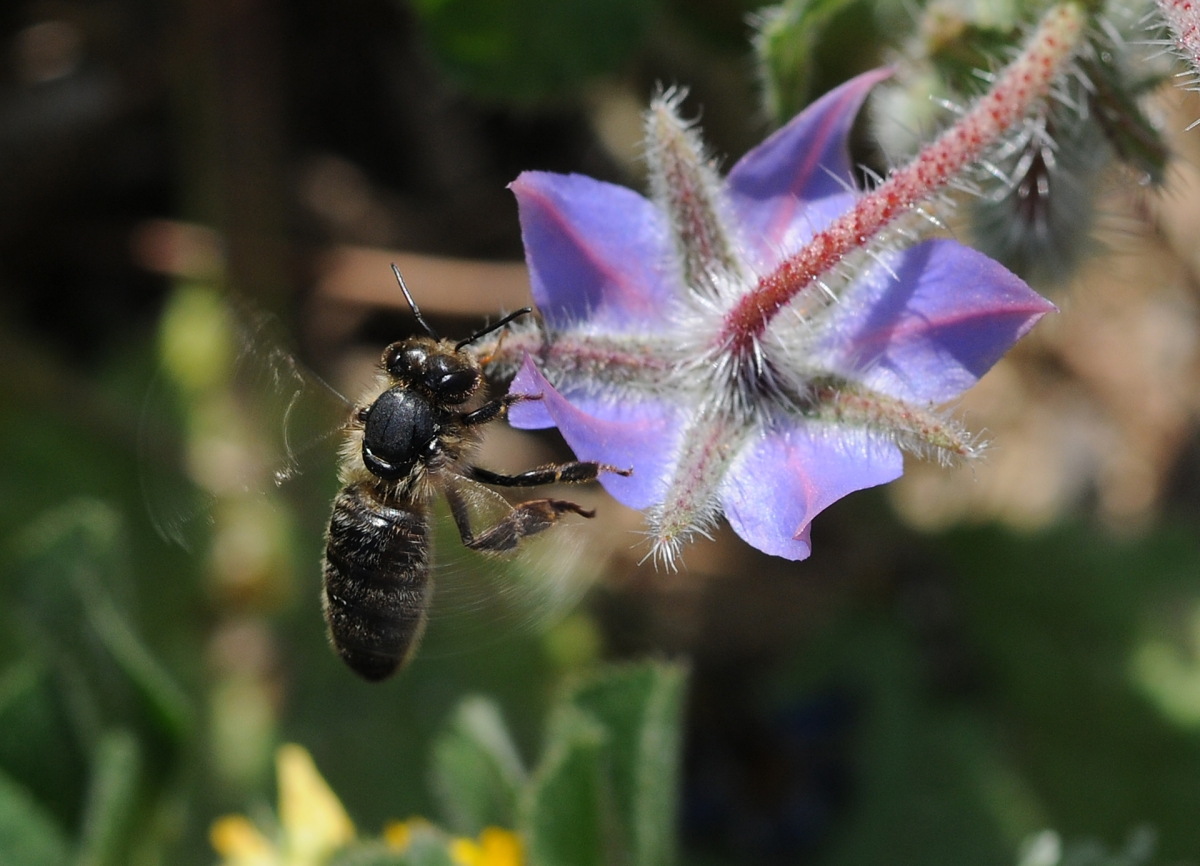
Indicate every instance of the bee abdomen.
{"type": "Point", "coordinates": [376, 581]}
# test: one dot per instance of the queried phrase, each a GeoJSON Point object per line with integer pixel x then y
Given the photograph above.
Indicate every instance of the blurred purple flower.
{"type": "Point", "coordinates": [663, 348]}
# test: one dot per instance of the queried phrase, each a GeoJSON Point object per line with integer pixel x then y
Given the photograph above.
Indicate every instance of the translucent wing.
{"type": "Point", "coordinates": [232, 407]}
{"type": "Point", "coordinates": [480, 598]}
{"type": "Point", "coordinates": [233, 414]}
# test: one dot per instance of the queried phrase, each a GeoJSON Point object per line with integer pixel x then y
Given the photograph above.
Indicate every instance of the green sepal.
{"type": "Point", "coordinates": [1114, 105]}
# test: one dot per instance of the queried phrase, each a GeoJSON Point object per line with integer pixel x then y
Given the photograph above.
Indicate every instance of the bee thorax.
{"type": "Point", "coordinates": [401, 429]}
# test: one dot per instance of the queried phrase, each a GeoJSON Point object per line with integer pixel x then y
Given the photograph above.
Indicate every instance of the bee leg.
{"type": "Point", "coordinates": [572, 473]}
{"type": "Point", "coordinates": [528, 518]}
{"type": "Point", "coordinates": [495, 409]}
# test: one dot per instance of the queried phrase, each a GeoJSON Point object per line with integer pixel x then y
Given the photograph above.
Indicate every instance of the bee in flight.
{"type": "Point", "coordinates": [408, 439]}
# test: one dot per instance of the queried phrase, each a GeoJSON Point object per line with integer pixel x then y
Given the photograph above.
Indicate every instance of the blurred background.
{"type": "Point", "coordinates": [969, 656]}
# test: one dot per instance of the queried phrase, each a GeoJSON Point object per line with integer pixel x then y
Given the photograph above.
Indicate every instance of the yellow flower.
{"type": "Point", "coordinates": [313, 820]}
{"type": "Point", "coordinates": [399, 834]}
{"type": "Point", "coordinates": [494, 847]}
{"type": "Point", "coordinates": [313, 823]}
{"type": "Point", "coordinates": [241, 844]}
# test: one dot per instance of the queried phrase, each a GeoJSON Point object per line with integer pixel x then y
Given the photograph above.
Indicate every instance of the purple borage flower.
{"type": "Point", "coordinates": [688, 336]}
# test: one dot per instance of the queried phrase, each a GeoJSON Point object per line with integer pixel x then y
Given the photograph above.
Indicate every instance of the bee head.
{"type": "Point", "coordinates": [433, 367]}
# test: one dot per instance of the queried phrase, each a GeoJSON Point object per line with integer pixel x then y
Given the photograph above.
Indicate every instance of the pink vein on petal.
{"type": "Point", "coordinates": [780, 482]}
{"type": "Point", "coordinates": [801, 162]}
{"type": "Point", "coordinates": [931, 330]}
{"type": "Point", "coordinates": [641, 435]}
{"type": "Point", "coordinates": [594, 249]}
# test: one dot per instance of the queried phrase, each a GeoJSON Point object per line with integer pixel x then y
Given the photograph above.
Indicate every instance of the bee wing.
{"type": "Point", "coordinates": [250, 412]}
{"type": "Point", "coordinates": [481, 598]}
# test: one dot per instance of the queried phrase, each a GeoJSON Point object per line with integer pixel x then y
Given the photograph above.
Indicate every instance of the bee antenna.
{"type": "Point", "coordinates": [412, 305]}
{"type": "Point", "coordinates": [500, 324]}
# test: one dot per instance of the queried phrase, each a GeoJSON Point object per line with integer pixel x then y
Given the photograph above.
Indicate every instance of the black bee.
{"type": "Point", "coordinates": [408, 439]}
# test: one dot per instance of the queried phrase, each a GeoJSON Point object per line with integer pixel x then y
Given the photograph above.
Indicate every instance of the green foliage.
{"type": "Point", "coordinates": [40, 746]}
{"type": "Point", "coordinates": [604, 789]}
{"type": "Point", "coordinates": [28, 834]}
{"type": "Point", "coordinates": [784, 48]}
{"type": "Point", "coordinates": [112, 801]}
{"type": "Point", "coordinates": [933, 786]}
{"type": "Point", "coordinates": [564, 816]}
{"type": "Point", "coordinates": [1060, 618]}
{"type": "Point", "coordinates": [609, 771]}
{"type": "Point", "coordinates": [91, 725]}
{"type": "Point", "coordinates": [476, 773]}
{"type": "Point", "coordinates": [375, 855]}
{"type": "Point", "coordinates": [426, 849]}
{"type": "Point", "coordinates": [526, 51]}
{"type": "Point", "coordinates": [640, 708]}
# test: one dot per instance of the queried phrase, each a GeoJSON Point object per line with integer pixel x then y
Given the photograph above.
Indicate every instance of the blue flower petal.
{"type": "Point", "coordinates": [596, 251]}
{"type": "Point", "coordinates": [804, 161]}
{"type": "Point", "coordinates": [640, 434]}
{"type": "Point", "coordinates": [780, 482]}
{"type": "Point", "coordinates": [533, 414]}
{"type": "Point", "coordinates": [928, 332]}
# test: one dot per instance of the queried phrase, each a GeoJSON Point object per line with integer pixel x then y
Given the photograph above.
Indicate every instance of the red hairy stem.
{"type": "Point", "coordinates": [1183, 17]}
{"type": "Point", "coordinates": [1021, 84]}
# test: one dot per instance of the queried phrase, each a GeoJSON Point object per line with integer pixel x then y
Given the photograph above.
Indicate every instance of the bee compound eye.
{"type": "Point", "coordinates": [404, 361]}
{"type": "Point", "coordinates": [450, 379]}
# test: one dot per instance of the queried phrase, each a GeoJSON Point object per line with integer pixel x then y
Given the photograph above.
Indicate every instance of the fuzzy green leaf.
{"type": "Point", "coordinates": [73, 572]}
{"type": "Point", "coordinates": [563, 814]}
{"type": "Point", "coordinates": [640, 707]}
{"type": "Point", "coordinates": [477, 774]}
{"type": "Point", "coordinates": [787, 36]}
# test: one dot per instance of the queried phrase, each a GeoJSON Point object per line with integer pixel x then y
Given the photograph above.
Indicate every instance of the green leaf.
{"type": "Point", "coordinates": [376, 854]}
{"type": "Point", "coordinates": [640, 707]}
{"type": "Point", "coordinates": [74, 575]}
{"type": "Point", "coordinates": [563, 814]}
{"type": "Point", "coordinates": [112, 801]}
{"type": "Point", "coordinates": [428, 846]}
{"type": "Point", "coordinates": [40, 747]}
{"type": "Point", "coordinates": [477, 774]}
{"type": "Point", "coordinates": [530, 50]}
{"type": "Point", "coordinates": [28, 835]}
{"type": "Point", "coordinates": [787, 36]}
{"type": "Point", "coordinates": [161, 699]}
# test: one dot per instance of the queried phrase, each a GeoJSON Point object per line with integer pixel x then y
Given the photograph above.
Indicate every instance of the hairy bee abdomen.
{"type": "Point", "coordinates": [376, 581]}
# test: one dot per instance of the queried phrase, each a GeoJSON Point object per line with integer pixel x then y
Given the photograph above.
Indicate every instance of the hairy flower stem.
{"type": "Point", "coordinates": [1016, 90]}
